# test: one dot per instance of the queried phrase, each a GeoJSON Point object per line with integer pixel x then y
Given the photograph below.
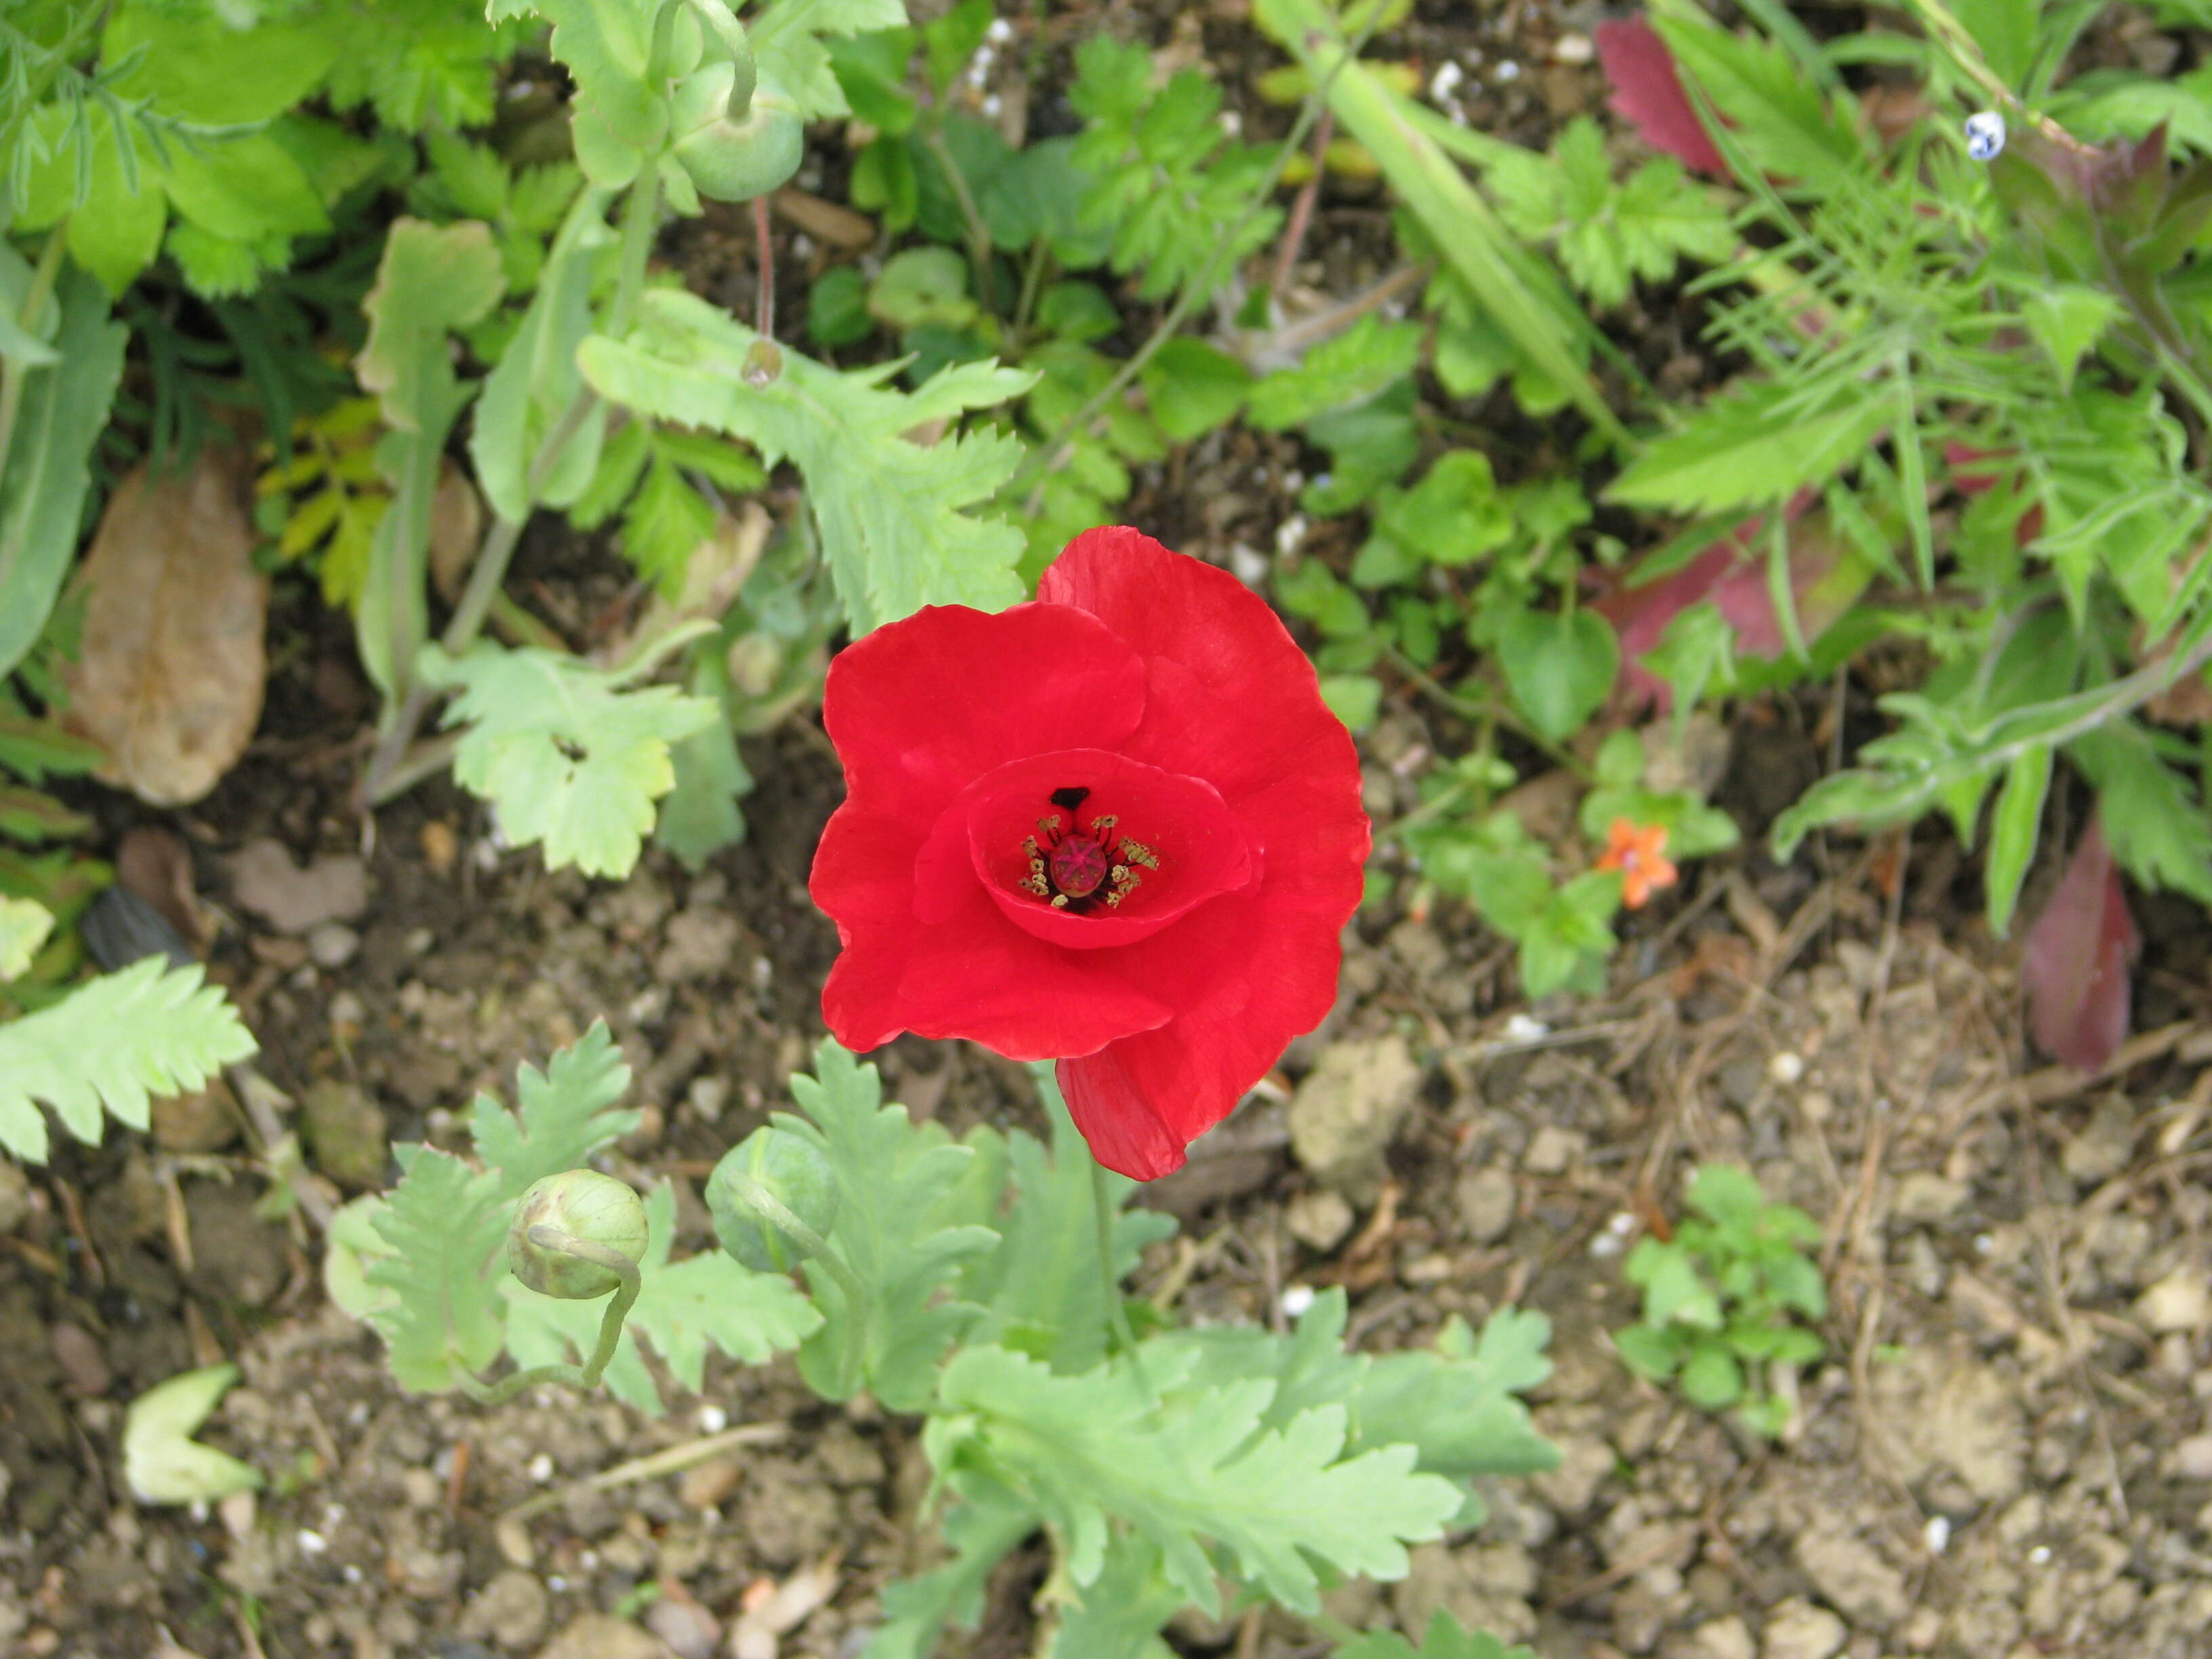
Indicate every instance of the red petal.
{"type": "Point", "coordinates": [1230, 698]}
{"type": "Point", "coordinates": [1647, 91]}
{"type": "Point", "coordinates": [1142, 1100]}
{"type": "Point", "coordinates": [921, 707]}
{"type": "Point", "coordinates": [2075, 960]}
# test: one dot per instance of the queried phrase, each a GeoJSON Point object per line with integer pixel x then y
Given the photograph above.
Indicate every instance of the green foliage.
{"type": "Point", "coordinates": [706, 1301]}
{"type": "Point", "coordinates": [1163, 178]}
{"type": "Point", "coordinates": [566, 755]}
{"type": "Point", "coordinates": [902, 1232]}
{"type": "Point", "coordinates": [109, 1046]}
{"type": "Point", "coordinates": [1491, 863]}
{"type": "Point", "coordinates": [1203, 1465]}
{"type": "Point", "coordinates": [889, 510]}
{"type": "Point", "coordinates": [1607, 235]}
{"type": "Point", "coordinates": [426, 1262]}
{"type": "Point", "coordinates": [1444, 1639]}
{"type": "Point", "coordinates": [1721, 1295]}
{"type": "Point", "coordinates": [69, 357]}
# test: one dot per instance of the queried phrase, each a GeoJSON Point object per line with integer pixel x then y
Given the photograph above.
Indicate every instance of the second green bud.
{"type": "Point", "coordinates": [790, 1171]}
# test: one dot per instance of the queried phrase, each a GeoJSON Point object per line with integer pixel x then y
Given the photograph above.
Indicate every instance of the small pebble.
{"type": "Point", "coordinates": [1786, 1067]}
{"type": "Point", "coordinates": [1572, 49]}
{"type": "Point", "coordinates": [1938, 1534]}
{"type": "Point", "coordinates": [713, 1420]}
{"type": "Point", "coordinates": [1295, 1300]}
{"type": "Point", "coordinates": [332, 944]}
{"type": "Point", "coordinates": [313, 1543]}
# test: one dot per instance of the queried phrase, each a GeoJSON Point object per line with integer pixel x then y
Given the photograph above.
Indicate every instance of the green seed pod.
{"type": "Point", "coordinates": [790, 1172]}
{"type": "Point", "coordinates": [582, 1204]}
{"type": "Point", "coordinates": [735, 161]}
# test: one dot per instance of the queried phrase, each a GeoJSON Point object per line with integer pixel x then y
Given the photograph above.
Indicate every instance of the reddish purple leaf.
{"type": "Point", "coordinates": [1733, 576]}
{"type": "Point", "coordinates": [2077, 959]}
{"type": "Point", "coordinates": [1647, 91]}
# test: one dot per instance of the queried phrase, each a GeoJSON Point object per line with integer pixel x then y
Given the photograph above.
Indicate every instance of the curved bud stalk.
{"type": "Point", "coordinates": [576, 1236]}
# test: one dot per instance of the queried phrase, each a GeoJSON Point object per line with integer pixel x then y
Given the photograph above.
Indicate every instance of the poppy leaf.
{"type": "Point", "coordinates": [2076, 960]}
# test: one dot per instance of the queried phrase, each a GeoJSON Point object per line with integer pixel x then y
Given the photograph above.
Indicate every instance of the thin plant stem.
{"type": "Point", "coordinates": [971, 216]}
{"type": "Point", "coordinates": [1294, 233]}
{"type": "Point", "coordinates": [773, 1210]}
{"type": "Point", "coordinates": [586, 1375]}
{"type": "Point", "coordinates": [1120, 1338]}
{"type": "Point", "coordinates": [13, 370]}
{"type": "Point", "coordinates": [1117, 1312]}
{"type": "Point", "coordinates": [764, 297]}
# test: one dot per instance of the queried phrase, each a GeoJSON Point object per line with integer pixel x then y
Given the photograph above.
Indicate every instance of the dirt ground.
{"type": "Point", "coordinates": [2007, 1451]}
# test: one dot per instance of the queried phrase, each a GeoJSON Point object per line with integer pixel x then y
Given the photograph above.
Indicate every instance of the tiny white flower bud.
{"type": "Point", "coordinates": [1985, 135]}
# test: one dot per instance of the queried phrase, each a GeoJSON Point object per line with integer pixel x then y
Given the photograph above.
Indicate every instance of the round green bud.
{"type": "Point", "coordinates": [576, 1204]}
{"type": "Point", "coordinates": [736, 160]}
{"type": "Point", "coordinates": [790, 1171]}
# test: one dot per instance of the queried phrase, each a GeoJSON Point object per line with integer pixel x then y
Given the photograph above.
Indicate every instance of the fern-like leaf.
{"type": "Point", "coordinates": [566, 1114]}
{"type": "Point", "coordinates": [1092, 1449]}
{"type": "Point", "coordinates": [786, 42]}
{"type": "Point", "coordinates": [567, 756]}
{"type": "Point", "coordinates": [442, 1226]}
{"type": "Point", "coordinates": [113, 1044]}
{"type": "Point", "coordinates": [889, 510]}
{"type": "Point", "coordinates": [908, 1217]}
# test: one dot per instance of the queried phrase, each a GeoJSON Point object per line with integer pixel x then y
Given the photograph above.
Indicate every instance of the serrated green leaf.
{"type": "Point", "coordinates": [562, 1115]}
{"type": "Point", "coordinates": [1084, 1449]}
{"type": "Point", "coordinates": [1457, 1410]}
{"type": "Point", "coordinates": [1752, 446]}
{"type": "Point", "coordinates": [1444, 1639]}
{"type": "Point", "coordinates": [984, 1523]}
{"type": "Point", "coordinates": [2015, 828]}
{"type": "Point", "coordinates": [440, 1228]}
{"type": "Point", "coordinates": [1193, 387]}
{"type": "Point", "coordinates": [894, 1179]}
{"type": "Point", "coordinates": [682, 1311]}
{"type": "Point", "coordinates": [162, 1461]}
{"type": "Point", "coordinates": [1710, 1377]}
{"type": "Point", "coordinates": [2066, 319]}
{"type": "Point", "coordinates": [1119, 1614]}
{"type": "Point", "coordinates": [787, 41]}
{"type": "Point", "coordinates": [1651, 1352]}
{"type": "Point", "coordinates": [889, 511]}
{"type": "Point", "coordinates": [24, 925]}
{"type": "Point", "coordinates": [113, 1043]}
{"type": "Point", "coordinates": [2153, 822]}
{"type": "Point", "coordinates": [567, 757]}
{"type": "Point", "coordinates": [1349, 369]}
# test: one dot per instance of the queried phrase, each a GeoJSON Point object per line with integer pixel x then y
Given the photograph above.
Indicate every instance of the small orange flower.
{"type": "Point", "coordinates": [1638, 852]}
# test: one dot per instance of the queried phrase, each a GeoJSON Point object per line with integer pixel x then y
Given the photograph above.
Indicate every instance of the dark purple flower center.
{"type": "Point", "coordinates": [1074, 863]}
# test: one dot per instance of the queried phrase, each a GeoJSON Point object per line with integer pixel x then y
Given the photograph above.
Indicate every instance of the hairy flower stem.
{"type": "Point", "coordinates": [386, 777]}
{"type": "Point", "coordinates": [1120, 1339]}
{"type": "Point", "coordinates": [546, 1237]}
{"type": "Point", "coordinates": [772, 1210]}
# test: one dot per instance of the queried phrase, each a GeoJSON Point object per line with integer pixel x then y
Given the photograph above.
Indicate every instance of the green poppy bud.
{"type": "Point", "coordinates": [734, 160]}
{"type": "Point", "coordinates": [789, 1170]}
{"type": "Point", "coordinates": [580, 1205]}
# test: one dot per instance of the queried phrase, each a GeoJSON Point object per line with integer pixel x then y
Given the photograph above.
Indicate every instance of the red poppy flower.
{"type": "Point", "coordinates": [1116, 827]}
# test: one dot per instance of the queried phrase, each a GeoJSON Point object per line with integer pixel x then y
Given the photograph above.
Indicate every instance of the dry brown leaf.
{"type": "Point", "coordinates": [264, 880]}
{"type": "Point", "coordinates": [172, 665]}
{"type": "Point", "coordinates": [456, 528]}
{"type": "Point", "coordinates": [156, 865]}
{"type": "Point", "coordinates": [824, 221]}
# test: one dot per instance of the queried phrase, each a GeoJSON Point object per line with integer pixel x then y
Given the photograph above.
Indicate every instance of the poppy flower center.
{"type": "Point", "coordinates": [1076, 858]}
